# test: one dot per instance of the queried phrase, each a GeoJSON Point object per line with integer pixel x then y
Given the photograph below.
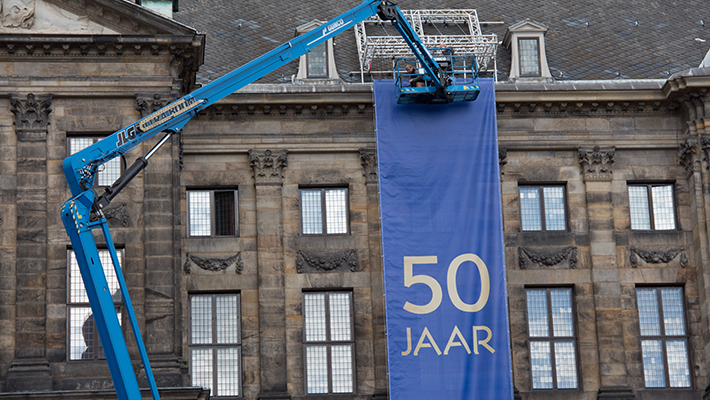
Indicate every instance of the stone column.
{"type": "Point", "coordinates": [368, 159]}
{"type": "Point", "coordinates": [268, 180]}
{"type": "Point", "coordinates": [596, 169]}
{"type": "Point", "coordinates": [162, 267]}
{"type": "Point", "coordinates": [30, 368]}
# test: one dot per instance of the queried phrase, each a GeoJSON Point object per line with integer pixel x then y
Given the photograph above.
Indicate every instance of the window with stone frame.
{"type": "Point", "coordinates": [552, 338]}
{"type": "Point", "coordinates": [652, 206]}
{"type": "Point", "coordinates": [108, 172]}
{"type": "Point", "coordinates": [328, 342]}
{"type": "Point", "coordinates": [542, 207]}
{"type": "Point", "coordinates": [529, 52]}
{"type": "Point", "coordinates": [324, 211]}
{"type": "Point", "coordinates": [212, 212]}
{"type": "Point", "coordinates": [84, 343]}
{"type": "Point", "coordinates": [664, 337]}
{"type": "Point", "coordinates": [215, 343]}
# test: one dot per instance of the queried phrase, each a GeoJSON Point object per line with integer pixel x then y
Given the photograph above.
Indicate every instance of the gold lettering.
{"type": "Point", "coordinates": [484, 342]}
{"type": "Point", "coordinates": [421, 344]}
{"type": "Point", "coordinates": [461, 342]}
{"type": "Point", "coordinates": [409, 342]}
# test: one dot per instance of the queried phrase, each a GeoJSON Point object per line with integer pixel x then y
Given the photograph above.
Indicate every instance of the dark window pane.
{"type": "Point", "coordinates": [224, 213]}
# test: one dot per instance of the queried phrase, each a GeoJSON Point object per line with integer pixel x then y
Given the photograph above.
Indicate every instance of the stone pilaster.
{"type": "Point", "coordinates": [161, 295]}
{"type": "Point", "coordinates": [368, 159]}
{"type": "Point", "coordinates": [268, 179]}
{"type": "Point", "coordinates": [598, 175]}
{"type": "Point", "coordinates": [30, 368]}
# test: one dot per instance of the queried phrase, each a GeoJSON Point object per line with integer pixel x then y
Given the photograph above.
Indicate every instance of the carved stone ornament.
{"type": "Point", "coordinates": [502, 158]}
{"type": "Point", "coordinates": [685, 154]}
{"type": "Point", "coordinates": [368, 159]}
{"type": "Point", "coordinates": [268, 167]}
{"type": "Point", "coordinates": [704, 146]}
{"type": "Point", "coordinates": [346, 260]}
{"type": "Point", "coordinates": [657, 257]}
{"type": "Point", "coordinates": [18, 13]}
{"type": "Point", "coordinates": [596, 163]}
{"type": "Point", "coordinates": [214, 264]}
{"type": "Point", "coordinates": [31, 116]}
{"type": "Point", "coordinates": [147, 104]}
{"type": "Point", "coordinates": [528, 257]}
{"type": "Point", "coordinates": [118, 212]}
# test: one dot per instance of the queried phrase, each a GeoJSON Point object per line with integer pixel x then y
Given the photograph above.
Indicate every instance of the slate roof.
{"type": "Point", "coordinates": [586, 40]}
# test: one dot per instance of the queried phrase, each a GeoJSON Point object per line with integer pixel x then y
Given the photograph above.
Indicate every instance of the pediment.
{"type": "Point", "coordinates": [308, 26]}
{"type": "Point", "coordinates": [84, 17]}
{"type": "Point", "coordinates": [527, 26]}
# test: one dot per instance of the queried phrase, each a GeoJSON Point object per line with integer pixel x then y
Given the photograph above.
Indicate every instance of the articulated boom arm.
{"type": "Point", "coordinates": [83, 212]}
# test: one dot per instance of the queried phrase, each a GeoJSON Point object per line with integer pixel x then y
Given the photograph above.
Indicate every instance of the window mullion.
{"type": "Point", "coordinates": [213, 229]}
{"type": "Point", "coordinates": [543, 216]}
{"type": "Point", "coordinates": [548, 301]}
{"type": "Point", "coordinates": [324, 214]}
{"type": "Point", "coordinates": [214, 338]}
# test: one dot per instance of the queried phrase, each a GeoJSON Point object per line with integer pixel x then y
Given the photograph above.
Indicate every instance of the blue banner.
{"type": "Point", "coordinates": [442, 242]}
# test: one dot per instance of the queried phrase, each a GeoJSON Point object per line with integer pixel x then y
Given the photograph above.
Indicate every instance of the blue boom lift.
{"type": "Point", "coordinates": [83, 212]}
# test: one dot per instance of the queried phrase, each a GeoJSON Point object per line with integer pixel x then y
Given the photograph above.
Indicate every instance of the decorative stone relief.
{"type": "Point", "coordinates": [147, 104]}
{"type": "Point", "coordinates": [119, 212]}
{"type": "Point", "coordinates": [31, 116]}
{"type": "Point", "coordinates": [704, 146]}
{"type": "Point", "coordinates": [214, 264]}
{"type": "Point", "coordinates": [346, 260]}
{"type": "Point", "coordinates": [596, 163]}
{"type": "Point", "coordinates": [502, 158]}
{"type": "Point", "coordinates": [268, 167]}
{"type": "Point", "coordinates": [657, 257]}
{"type": "Point", "coordinates": [685, 154]}
{"type": "Point", "coordinates": [527, 259]}
{"type": "Point", "coordinates": [368, 159]}
{"type": "Point", "coordinates": [18, 13]}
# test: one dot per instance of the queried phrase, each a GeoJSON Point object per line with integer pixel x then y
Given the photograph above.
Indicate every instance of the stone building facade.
{"type": "Point", "coordinates": [217, 219]}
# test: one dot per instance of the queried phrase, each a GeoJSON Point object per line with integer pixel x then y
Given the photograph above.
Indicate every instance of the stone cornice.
{"type": "Point", "coordinates": [124, 16]}
{"type": "Point", "coordinates": [45, 45]}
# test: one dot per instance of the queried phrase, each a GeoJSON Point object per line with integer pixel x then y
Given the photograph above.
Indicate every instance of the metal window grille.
{"type": "Point", "coordinates": [324, 211]}
{"type": "Point", "coordinates": [84, 343]}
{"type": "Point", "coordinates": [529, 52]}
{"type": "Point", "coordinates": [664, 338]}
{"type": "Point", "coordinates": [651, 207]}
{"type": "Point", "coordinates": [328, 342]}
{"type": "Point", "coordinates": [542, 208]}
{"type": "Point", "coordinates": [553, 341]}
{"type": "Point", "coordinates": [212, 212]}
{"type": "Point", "coordinates": [317, 62]}
{"type": "Point", "coordinates": [215, 343]}
{"type": "Point", "coordinates": [109, 172]}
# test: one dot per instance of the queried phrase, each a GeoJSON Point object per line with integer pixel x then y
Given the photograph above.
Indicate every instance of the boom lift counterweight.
{"type": "Point", "coordinates": [83, 212]}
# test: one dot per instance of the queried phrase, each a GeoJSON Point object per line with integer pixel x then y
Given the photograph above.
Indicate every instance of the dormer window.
{"type": "Point", "coordinates": [318, 63]}
{"type": "Point", "coordinates": [526, 41]}
{"type": "Point", "coordinates": [529, 49]}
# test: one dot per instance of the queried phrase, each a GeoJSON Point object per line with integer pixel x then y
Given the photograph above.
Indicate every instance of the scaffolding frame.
{"type": "Point", "coordinates": [484, 47]}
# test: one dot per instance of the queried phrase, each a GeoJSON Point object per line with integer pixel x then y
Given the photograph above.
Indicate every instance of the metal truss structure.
{"type": "Point", "coordinates": [460, 30]}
